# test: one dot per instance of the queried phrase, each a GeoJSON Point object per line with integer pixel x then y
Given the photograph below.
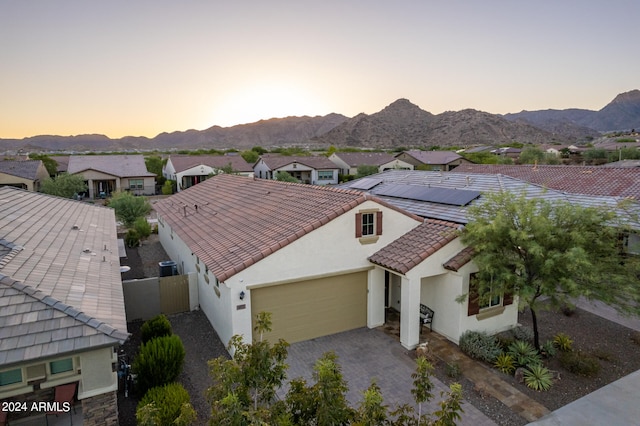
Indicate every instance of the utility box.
{"type": "Point", "coordinates": [168, 268]}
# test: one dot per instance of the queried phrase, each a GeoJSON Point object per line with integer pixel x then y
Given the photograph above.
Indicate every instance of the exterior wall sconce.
{"type": "Point", "coordinates": [242, 295]}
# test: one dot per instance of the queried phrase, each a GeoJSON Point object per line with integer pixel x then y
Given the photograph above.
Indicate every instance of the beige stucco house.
{"type": "Point", "coordinates": [320, 259]}
{"type": "Point", "coordinates": [432, 160]}
{"type": "Point", "coordinates": [316, 170]}
{"type": "Point", "coordinates": [350, 161]}
{"type": "Point", "coordinates": [27, 174]}
{"type": "Point", "coordinates": [61, 302]}
{"type": "Point", "coordinates": [105, 174]}
{"type": "Point", "coordinates": [189, 170]}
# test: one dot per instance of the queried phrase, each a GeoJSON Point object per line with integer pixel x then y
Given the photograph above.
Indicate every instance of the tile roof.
{"type": "Point", "coordinates": [27, 169]}
{"type": "Point", "coordinates": [315, 162]}
{"type": "Point", "coordinates": [434, 157]}
{"type": "Point", "coordinates": [459, 260]}
{"type": "Point", "coordinates": [185, 162]}
{"type": "Point", "coordinates": [355, 159]}
{"type": "Point", "coordinates": [116, 165]}
{"type": "Point", "coordinates": [468, 181]}
{"type": "Point", "coordinates": [241, 220]}
{"type": "Point", "coordinates": [34, 325]}
{"type": "Point", "coordinates": [68, 250]}
{"type": "Point", "coordinates": [588, 180]}
{"type": "Point", "coordinates": [60, 283]}
{"type": "Point", "coordinates": [415, 246]}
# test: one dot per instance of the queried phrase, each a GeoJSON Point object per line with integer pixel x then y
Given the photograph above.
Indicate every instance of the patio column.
{"type": "Point", "coordinates": [92, 193]}
{"type": "Point", "coordinates": [410, 313]}
{"type": "Point", "coordinates": [375, 298]}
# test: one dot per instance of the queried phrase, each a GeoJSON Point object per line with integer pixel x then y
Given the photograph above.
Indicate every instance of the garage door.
{"type": "Point", "coordinates": [307, 309]}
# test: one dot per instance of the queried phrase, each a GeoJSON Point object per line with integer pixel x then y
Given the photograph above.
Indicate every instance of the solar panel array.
{"type": "Point", "coordinates": [452, 197]}
{"type": "Point", "coordinates": [365, 183]}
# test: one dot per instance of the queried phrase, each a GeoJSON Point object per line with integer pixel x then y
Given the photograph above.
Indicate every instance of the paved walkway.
{"type": "Point", "coordinates": [367, 355]}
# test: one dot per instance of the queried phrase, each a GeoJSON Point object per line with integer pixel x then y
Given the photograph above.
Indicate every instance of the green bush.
{"type": "Point", "coordinates": [522, 333]}
{"type": "Point", "coordinates": [548, 349]}
{"type": "Point", "coordinates": [167, 401]}
{"type": "Point", "coordinates": [580, 363]}
{"type": "Point", "coordinates": [479, 345]}
{"type": "Point", "coordinates": [158, 326]}
{"type": "Point", "coordinates": [524, 354]}
{"type": "Point", "coordinates": [562, 342]}
{"type": "Point", "coordinates": [132, 238]}
{"type": "Point", "coordinates": [159, 362]}
{"type": "Point", "coordinates": [505, 363]}
{"type": "Point", "coordinates": [538, 378]}
{"type": "Point", "coordinates": [142, 227]}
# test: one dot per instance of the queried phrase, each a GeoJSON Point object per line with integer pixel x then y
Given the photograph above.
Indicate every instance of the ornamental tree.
{"type": "Point", "coordinates": [554, 251]}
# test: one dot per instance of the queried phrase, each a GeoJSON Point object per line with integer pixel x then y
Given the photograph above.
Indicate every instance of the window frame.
{"type": "Point", "coordinates": [325, 175]}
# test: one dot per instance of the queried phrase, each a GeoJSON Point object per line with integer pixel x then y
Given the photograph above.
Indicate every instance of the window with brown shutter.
{"type": "Point", "coordinates": [368, 224]}
{"type": "Point", "coordinates": [473, 307]}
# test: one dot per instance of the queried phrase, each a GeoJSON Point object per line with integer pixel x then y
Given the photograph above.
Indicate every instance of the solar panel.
{"type": "Point", "coordinates": [365, 183]}
{"type": "Point", "coordinates": [453, 197]}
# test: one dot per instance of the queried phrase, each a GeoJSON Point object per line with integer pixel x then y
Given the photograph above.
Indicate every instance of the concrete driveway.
{"type": "Point", "coordinates": [367, 355]}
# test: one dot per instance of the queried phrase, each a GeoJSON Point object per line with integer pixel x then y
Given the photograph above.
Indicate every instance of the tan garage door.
{"type": "Point", "coordinates": [307, 309]}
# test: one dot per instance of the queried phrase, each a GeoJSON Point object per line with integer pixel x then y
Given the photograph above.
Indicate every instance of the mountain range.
{"type": "Point", "coordinates": [399, 124]}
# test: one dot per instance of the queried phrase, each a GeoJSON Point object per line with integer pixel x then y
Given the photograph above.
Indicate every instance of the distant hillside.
{"type": "Point", "coordinates": [266, 133]}
{"type": "Point", "coordinates": [405, 124]}
{"type": "Point", "coordinates": [401, 124]}
{"type": "Point", "coordinates": [623, 113]}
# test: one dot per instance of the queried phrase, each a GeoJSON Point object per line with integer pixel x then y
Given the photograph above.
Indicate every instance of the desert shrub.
{"type": "Point", "coordinates": [538, 377]}
{"type": "Point", "coordinates": [159, 362]}
{"type": "Point", "coordinates": [504, 362]}
{"type": "Point", "coordinates": [168, 402]}
{"type": "Point", "coordinates": [524, 354]}
{"type": "Point", "coordinates": [580, 363]}
{"type": "Point", "coordinates": [522, 333]}
{"type": "Point", "coordinates": [479, 345]}
{"type": "Point", "coordinates": [602, 354]}
{"type": "Point", "coordinates": [142, 226]}
{"type": "Point", "coordinates": [158, 326]}
{"type": "Point", "coordinates": [453, 370]}
{"type": "Point", "coordinates": [132, 238]}
{"type": "Point", "coordinates": [563, 342]}
{"type": "Point", "coordinates": [504, 340]}
{"type": "Point", "coordinates": [548, 349]}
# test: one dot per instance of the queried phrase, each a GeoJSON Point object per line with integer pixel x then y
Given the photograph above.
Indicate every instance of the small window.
{"type": "Point", "coordinates": [325, 174]}
{"type": "Point", "coordinates": [136, 184]}
{"type": "Point", "coordinates": [368, 224]}
{"type": "Point", "coordinates": [61, 366]}
{"type": "Point", "coordinates": [10, 377]}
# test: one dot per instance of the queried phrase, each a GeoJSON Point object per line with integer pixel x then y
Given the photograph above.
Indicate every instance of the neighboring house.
{"type": "Point", "coordinates": [348, 162]}
{"type": "Point", "coordinates": [62, 310]}
{"type": "Point", "coordinates": [28, 174]}
{"type": "Point", "coordinates": [105, 174]}
{"type": "Point", "coordinates": [322, 260]}
{"type": "Point", "coordinates": [315, 170]}
{"type": "Point", "coordinates": [62, 162]}
{"type": "Point", "coordinates": [508, 152]}
{"type": "Point", "coordinates": [189, 170]}
{"type": "Point", "coordinates": [433, 160]}
{"type": "Point", "coordinates": [589, 180]}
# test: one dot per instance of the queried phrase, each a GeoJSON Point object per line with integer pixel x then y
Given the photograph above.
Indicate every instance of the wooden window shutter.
{"type": "Point", "coordinates": [507, 299]}
{"type": "Point", "coordinates": [378, 223]}
{"type": "Point", "coordinates": [358, 225]}
{"type": "Point", "coordinates": [473, 307]}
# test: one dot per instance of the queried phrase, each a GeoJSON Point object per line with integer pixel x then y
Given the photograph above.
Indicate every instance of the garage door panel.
{"type": "Point", "coordinates": [313, 308]}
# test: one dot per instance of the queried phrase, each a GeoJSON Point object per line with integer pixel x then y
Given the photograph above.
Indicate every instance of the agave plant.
{"type": "Point", "coordinates": [538, 377]}
{"type": "Point", "coordinates": [563, 342]}
{"type": "Point", "coordinates": [505, 363]}
{"type": "Point", "coordinates": [524, 354]}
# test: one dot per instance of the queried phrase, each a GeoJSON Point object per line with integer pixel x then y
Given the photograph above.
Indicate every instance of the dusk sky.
{"type": "Point", "coordinates": [140, 68]}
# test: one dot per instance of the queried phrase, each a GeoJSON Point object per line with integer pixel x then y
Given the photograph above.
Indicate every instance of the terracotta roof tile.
{"type": "Point", "coordinates": [588, 180]}
{"type": "Point", "coordinates": [241, 220]}
{"type": "Point", "coordinates": [415, 246]}
{"type": "Point", "coordinates": [459, 260]}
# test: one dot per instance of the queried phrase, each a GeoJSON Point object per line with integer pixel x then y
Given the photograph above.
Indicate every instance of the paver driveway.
{"type": "Point", "coordinates": [367, 355]}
